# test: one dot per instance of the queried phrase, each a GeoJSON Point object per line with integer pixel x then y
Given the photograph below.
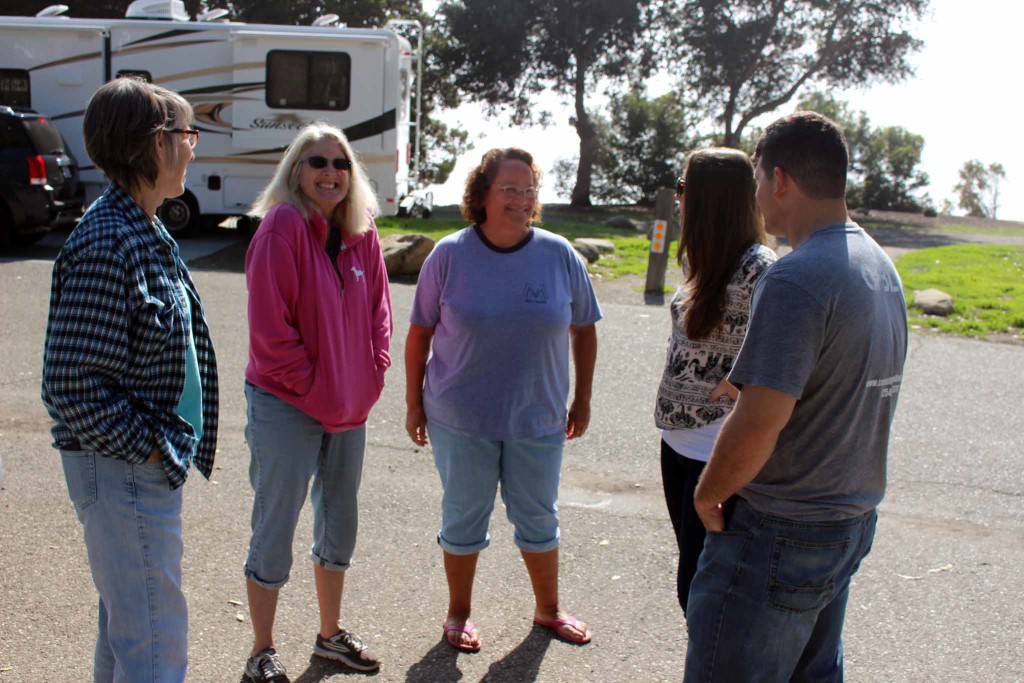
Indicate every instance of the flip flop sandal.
{"type": "Point", "coordinates": [467, 628]}
{"type": "Point", "coordinates": [577, 637]}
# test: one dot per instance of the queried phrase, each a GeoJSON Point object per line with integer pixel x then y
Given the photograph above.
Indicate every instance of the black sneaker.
{"type": "Point", "coordinates": [265, 667]}
{"type": "Point", "coordinates": [346, 648]}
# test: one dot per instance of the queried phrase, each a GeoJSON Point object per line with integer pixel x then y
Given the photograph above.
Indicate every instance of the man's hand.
{"type": "Point", "coordinates": [711, 515]}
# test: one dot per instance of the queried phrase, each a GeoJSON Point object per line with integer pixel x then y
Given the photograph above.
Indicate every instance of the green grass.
{"type": "Point", "coordinates": [985, 281]}
{"type": "Point", "coordinates": [630, 257]}
{"type": "Point", "coordinates": [1005, 230]}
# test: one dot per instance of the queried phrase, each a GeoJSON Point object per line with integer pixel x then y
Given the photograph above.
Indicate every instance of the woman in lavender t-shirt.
{"type": "Point", "coordinates": [502, 303]}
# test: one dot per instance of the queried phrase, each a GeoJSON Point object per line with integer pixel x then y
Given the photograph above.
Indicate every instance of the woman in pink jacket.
{"type": "Point", "coordinates": [319, 332]}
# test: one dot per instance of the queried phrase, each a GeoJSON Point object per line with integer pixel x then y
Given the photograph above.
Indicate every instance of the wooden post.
{"type": "Point", "coordinates": [665, 230]}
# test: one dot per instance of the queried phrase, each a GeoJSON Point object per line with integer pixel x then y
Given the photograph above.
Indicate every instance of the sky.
{"type": "Point", "coordinates": [962, 100]}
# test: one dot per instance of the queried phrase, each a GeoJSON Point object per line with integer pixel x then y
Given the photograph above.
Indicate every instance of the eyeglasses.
{"type": "Point", "coordinates": [191, 133]}
{"type": "Point", "coordinates": [318, 162]}
{"type": "Point", "coordinates": [680, 187]}
{"type": "Point", "coordinates": [511, 192]}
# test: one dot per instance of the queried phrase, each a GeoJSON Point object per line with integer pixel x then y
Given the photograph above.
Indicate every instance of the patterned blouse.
{"type": "Point", "coordinates": [694, 368]}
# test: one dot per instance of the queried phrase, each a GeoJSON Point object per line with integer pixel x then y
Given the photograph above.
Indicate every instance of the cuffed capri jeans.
{"type": "Point", "coordinates": [132, 525]}
{"type": "Point", "coordinates": [471, 469]}
{"type": "Point", "coordinates": [287, 449]}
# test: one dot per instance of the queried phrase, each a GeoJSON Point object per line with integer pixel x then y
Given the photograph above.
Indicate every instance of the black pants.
{"type": "Point", "coordinates": [679, 475]}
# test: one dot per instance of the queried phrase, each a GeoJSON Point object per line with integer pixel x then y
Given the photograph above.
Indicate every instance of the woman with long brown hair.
{"type": "Point", "coordinates": [722, 253]}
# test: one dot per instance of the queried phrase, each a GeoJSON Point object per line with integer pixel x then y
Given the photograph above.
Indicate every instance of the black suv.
{"type": "Point", "coordinates": [39, 185]}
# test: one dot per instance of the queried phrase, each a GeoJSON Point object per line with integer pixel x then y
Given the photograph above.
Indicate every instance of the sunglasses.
{"type": "Point", "coordinates": [191, 133]}
{"type": "Point", "coordinates": [318, 162]}
{"type": "Point", "coordinates": [680, 187]}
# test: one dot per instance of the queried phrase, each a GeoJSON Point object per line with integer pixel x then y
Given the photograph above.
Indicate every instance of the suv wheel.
{"type": "Point", "coordinates": [180, 215]}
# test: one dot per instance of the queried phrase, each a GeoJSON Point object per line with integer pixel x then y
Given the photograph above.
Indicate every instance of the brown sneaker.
{"type": "Point", "coordinates": [346, 648]}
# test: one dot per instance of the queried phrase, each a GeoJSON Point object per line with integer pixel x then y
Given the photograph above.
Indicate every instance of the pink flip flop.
{"type": "Point", "coordinates": [579, 636]}
{"type": "Point", "coordinates": [468, 628]}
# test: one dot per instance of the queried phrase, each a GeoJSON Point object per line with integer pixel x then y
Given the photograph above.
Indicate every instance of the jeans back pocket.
{"type": "Point", "coordinates": [80, 475]}
{"type": "Point", "coordinates": [803, 572]}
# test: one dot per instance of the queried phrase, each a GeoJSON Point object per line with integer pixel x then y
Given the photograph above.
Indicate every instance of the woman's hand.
{"type": "Point", "coordinates": [579, 419]}
{"type": "Point", "coordinates": [416, 425]}
{"type": "Point", "coordinates": [724, 388]}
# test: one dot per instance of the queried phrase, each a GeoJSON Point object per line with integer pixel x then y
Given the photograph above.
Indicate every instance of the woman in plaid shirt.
{"type": "Point", "coordinates": [130, 379]}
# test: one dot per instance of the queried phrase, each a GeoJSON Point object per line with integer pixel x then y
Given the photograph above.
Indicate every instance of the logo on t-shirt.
{"type": "Point", "coordinates": [535, 294]}
{"type": "Point", "coordinates": [358, 273]}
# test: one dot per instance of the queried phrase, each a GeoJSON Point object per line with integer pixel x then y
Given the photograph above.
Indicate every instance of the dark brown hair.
{"type": "Point", "coordinates": [810, 148]}
{"type": "Point", "coordinates": [479, 181]}
{"type": "Point", "coordinates": [720, 221]}
{"type": "Point", "coordinates": [120, 126]}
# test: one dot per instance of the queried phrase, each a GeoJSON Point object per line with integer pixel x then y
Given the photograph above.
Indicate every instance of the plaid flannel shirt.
{"type": "Point", "coordinates": [116, 338]}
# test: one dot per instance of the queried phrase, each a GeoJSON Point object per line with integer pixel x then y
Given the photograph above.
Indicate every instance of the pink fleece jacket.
{"type": "Point", "coordinates": [316, 341]}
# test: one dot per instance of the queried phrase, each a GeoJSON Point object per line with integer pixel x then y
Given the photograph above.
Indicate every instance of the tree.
{"type": "Point", "coordinates": [745, 58]}
{"type": "Point", "coordinates": [504, 52]}
{"type": "Point", "coordinates": [884, 162]}
{"type": "Point", "coordinates": [978, 188]}
{"type": "Point", "coordinates": [890, 168]}
{"type": "Point", "coordinates": [642, 147]}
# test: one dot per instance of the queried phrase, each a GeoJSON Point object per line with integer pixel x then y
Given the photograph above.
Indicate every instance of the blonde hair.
{"type": "Point", "coordinates": [353, 213]}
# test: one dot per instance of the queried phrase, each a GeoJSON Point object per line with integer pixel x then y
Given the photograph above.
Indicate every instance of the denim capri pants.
{"type": "Point", "coordinates": [287, 449]}
{"type": "Point", "coordinates": [471, 469]}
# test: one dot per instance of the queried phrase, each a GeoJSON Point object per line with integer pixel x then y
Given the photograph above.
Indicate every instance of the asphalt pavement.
{"type": "Point", "coordinates": [938, 599]}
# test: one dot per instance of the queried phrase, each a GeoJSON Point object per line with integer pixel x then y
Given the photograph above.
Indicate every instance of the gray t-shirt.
{"type": "Point", "coordinates": [500, 362]}
{"type": "Point", "coordinates": [828, 326]}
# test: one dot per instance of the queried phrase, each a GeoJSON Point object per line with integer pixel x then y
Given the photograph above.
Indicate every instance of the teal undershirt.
{"type": "Point", "coordinates": [190, 405]}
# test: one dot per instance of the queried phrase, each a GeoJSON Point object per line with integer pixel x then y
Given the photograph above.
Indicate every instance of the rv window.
{"type": "Point", "coordinates": [308, 80]}
{"type": "Point", "coordinates": [131, 73]}
{"type": "Point", "coordinates": [403, 95]}
{"type": "Point", "coordinates": [14, 88]}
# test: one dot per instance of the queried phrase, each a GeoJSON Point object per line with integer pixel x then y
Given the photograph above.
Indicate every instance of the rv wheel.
{"type": "Point", "coordinates": [180, 215]}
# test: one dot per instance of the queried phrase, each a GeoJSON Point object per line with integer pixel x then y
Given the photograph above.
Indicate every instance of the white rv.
{"type": "Point", "coordinates": [251, 86]}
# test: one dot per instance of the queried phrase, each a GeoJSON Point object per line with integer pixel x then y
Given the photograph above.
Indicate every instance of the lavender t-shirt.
{"type": "Point", "coordinates": [499, 367]}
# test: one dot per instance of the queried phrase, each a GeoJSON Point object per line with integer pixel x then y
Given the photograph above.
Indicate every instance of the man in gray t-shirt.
{"type": "Point", "coordinates": [790, 491]}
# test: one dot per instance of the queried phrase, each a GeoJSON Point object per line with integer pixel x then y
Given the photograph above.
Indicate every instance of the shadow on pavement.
{"type": "Point", "coordinates": [320, 669]}
{"type": "Point", "coordinates": [910, 238]}
{"type": "Point", "coordinates": [521, 665]}
{"type": "Point", "coordinates": [437, 666]}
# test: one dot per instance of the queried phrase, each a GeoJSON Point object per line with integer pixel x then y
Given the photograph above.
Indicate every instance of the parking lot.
{"type": "Point", "coordinates": [937, 600]}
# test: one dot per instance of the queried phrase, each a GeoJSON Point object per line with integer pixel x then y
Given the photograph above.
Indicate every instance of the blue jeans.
{"type": "Point", "coordinates": [132, 525]}
{"type": "Point", "coordinates": [287, 449]}
{"type": "Point", "coordinates": [471, 468]}
{"type": "Point", "coordinates": [769, 598]}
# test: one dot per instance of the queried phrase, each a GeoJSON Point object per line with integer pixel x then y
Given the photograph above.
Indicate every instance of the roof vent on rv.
{"type": "Point", "coordinates": [168, 10]}
{"type": "Point", "coordinates": [327, 20]}
{"type": "Point", "coordinates": [217, 14]}
{"type": "Point", "coordinates": [52, 11]}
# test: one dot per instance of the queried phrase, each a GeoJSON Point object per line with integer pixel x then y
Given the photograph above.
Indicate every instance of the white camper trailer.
{"type": "Point", "coordinates": [251, 87]}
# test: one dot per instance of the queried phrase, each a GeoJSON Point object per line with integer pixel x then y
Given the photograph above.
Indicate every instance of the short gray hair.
{"type": "Point", "coordinates": [354, 212]}
{"type": "Point", "coordinates": [120, 127]}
